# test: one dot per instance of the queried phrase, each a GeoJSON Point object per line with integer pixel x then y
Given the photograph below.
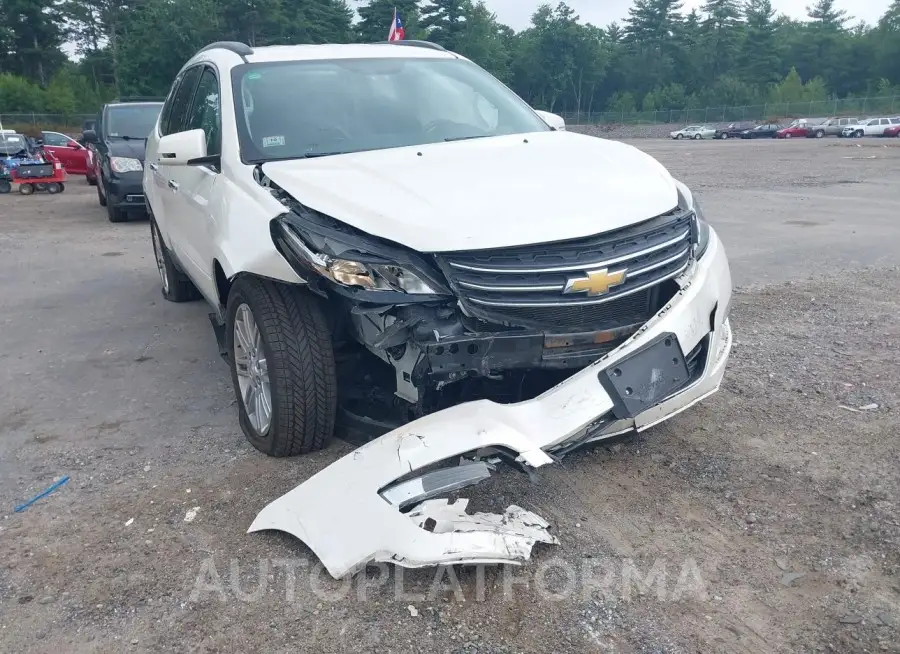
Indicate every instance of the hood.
{"type": "Point", "coordinates": [484, 193]}
{"type": "Point", "coordinates": [134, 149]}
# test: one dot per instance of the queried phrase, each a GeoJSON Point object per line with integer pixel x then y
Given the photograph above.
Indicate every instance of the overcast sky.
{"type": "Point", "coordinates": [517, 13]}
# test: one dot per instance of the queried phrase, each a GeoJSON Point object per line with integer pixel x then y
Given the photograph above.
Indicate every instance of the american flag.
{"type": "Point", "coordinates": [397, 32]}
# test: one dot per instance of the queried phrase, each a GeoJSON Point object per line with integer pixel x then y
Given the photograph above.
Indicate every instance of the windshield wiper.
{"type": "Point", "coordinates": [313, 155]}
{"type": "Point", "coordinates": [465, 138]}
{"type": "Point", "coordinates": [130, 138]}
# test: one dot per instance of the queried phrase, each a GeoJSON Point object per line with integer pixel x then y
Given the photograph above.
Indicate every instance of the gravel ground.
{"type": "Point", "coordinates": [763, 520]}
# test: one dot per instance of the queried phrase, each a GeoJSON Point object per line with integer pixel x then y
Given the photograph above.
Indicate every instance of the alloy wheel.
{"type": "Point", "coordinates": [252, 370]}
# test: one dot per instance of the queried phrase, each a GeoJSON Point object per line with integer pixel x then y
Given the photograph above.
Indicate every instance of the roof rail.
{"type": "Point", "coordinates": [419, 44]}
{"type": "Point", "coordinates": [138, 98]}
{"type": "Point", "coordinates": [240, 49]}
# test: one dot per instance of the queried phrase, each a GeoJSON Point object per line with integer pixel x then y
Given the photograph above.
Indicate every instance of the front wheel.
{"type": "Point", "coordinates": [26, 189]}
{"type": "Point", "coordinates": [788, 135]}
{"type": "Point", "coordinates": [54, 187]}
{"type": "Point", "coordinates": [858, 134]}
{"type": "Point", "coordinates": [282, 367]}
{"type": "Point", "coordinates": [100, 197]}
{"type": "Point", "coordinates": [724, 136]}
{"type": "Point", "coordinates": [820, 134]}
{"type": "Point", "coordinates": [5, 186]}
{"type": "Point", "coordinates": [697, 137]}
{"type": "Point", "coordinates": [678, 137]}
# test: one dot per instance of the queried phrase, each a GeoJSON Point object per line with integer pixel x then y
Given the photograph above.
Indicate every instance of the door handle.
{"type": "Point", "coordinates": [173, 185]}
{"type": "Point", "coordinates": [154, 167]}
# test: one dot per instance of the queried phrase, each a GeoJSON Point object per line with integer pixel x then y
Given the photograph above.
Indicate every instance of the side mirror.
{"type": "Point", "coordinates": [182, 148]}
{"type": "Point", "coordinates": [553, 120]}
{"type": "Point", "coordinates": [89, 136]}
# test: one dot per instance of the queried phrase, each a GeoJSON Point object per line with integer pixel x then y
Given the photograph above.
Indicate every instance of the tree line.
{"type": "Point", "coordinates": [729, 52]}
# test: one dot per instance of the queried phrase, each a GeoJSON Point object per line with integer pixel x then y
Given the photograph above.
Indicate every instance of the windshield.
{"type": "Point", "coordinates": [131, 120]}
{"type": "Point", "coordinates": [12, 144]}
{"type": "Point", "coordinates": [288, 110]}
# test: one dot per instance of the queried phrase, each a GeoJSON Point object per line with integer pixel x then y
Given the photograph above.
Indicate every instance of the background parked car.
{"type": "Point", "coordinates": [831, 127]}
{"type": "Point", "coordinates": [70, 153]}
{"type": "Point", "coordinates": [118, 143]}
{"type": "Point", "coordinates": [764, 131]}
{"type": "Point", "coordinates": [695, 132]}
{"type": "Point", "coordinates": [894, 129]}
{"type": "Point", "coordinates": [870, 127]}
{"type": "Point", "coordinates": [732, 131]}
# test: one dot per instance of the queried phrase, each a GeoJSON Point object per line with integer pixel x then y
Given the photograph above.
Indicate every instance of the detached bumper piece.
{"type": "Point", "coordinates": [380, 502]}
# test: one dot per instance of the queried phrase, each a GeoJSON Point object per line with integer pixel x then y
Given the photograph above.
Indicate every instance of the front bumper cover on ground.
{"type": "Point", "coordinates": [345, 515]}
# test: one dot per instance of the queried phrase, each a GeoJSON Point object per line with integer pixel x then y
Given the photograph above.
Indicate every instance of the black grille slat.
{"type": "Point", "coordinates": [629, 310]}
{"type": "Point", "coordinates": [591, 249]}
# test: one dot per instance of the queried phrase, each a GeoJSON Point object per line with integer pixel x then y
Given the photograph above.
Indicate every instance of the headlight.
{"type": "Point", "coordinates": [699, 227]}
{"type": "Point", "coordinates": [367, 272]}
{"type": "Point", "coordinates": [125, 164]}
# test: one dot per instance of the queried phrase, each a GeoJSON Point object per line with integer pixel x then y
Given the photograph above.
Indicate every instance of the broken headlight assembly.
{"type": "Point", "coordinates": [699, 226]}
{"type": "Point", "coordinates": [350, 259]}
{"type": "Point", "coordinates": [701, 231]}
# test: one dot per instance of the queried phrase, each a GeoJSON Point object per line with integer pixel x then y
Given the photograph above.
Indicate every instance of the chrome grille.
{"type": "Point", "coordinates": [525, 285]}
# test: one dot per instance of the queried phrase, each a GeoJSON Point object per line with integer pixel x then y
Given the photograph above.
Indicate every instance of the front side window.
{"type": "Point", "coordinates": [131, 121]}
{"type": "Point", "coordinates": [288, 110]}
{"type": "Point", "coordinates": [181, 101]}
{"type": "Point", "coordinates": [204, 112]}
{"type": "Point", "coordinates": [55, 139]}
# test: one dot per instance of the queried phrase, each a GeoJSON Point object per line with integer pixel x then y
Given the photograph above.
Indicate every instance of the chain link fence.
{"type": "Point", "coordinates": [50, 122]}
{"type": "Point", "coordinates": [856, 107]}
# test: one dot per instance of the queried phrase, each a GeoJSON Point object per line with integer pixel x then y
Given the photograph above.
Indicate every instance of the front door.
{"type": "Point", "coordinates": [196, 185]}
{"type": "Point", "coordinates": [71, 154]}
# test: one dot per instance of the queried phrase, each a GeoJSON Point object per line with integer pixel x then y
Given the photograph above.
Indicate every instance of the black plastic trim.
{"type": "Point", "coordinates": [240, 49]}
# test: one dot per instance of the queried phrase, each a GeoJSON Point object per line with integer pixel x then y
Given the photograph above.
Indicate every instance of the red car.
{"type": "Point", "coordinates": [74, 157]}
{"type": "Point", "coordinates": [794, 131]}
{"type": "Point", "coordinates": [893, 130]}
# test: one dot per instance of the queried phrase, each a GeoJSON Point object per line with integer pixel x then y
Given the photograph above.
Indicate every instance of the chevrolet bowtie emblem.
{"type": "Point", "coordinates": [596, 282]}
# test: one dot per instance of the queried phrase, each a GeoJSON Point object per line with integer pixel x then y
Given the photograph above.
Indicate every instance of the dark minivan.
{"type": "Point", "coordinates": [118, 142]}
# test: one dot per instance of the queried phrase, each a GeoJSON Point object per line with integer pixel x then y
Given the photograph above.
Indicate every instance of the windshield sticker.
{"type": "Point", "coordinates": [272, 141]}
{"type": "Point", "coordinates": [254, 76]}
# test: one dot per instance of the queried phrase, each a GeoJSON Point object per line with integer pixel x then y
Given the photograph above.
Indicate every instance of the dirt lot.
{"type": "Point", "coordinates": [765, 520]}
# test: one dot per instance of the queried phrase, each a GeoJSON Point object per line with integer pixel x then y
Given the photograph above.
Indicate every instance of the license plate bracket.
{"type": "Point", "coordinates": [643, 379]}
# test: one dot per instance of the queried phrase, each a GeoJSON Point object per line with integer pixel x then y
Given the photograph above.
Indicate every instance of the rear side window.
{"type": "Point", "coordinates": [181, 102]}
{"type": "Point", "coordinates": [204, 112]}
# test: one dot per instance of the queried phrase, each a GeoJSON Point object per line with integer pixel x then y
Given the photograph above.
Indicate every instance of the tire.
{"type": "Point", "coordinates": [176, 286]}
{"type": "Point", "coordinates": [26, 189]}
{"type": "Point", "coordinates": [858, 134]}
{"type": "Point", "coordinates": [697, 137]}
{"type": "Point", "coordinates": [92, 181]}
{"type": "Point", "coordinates": [115, 214]}
{"type": "Point", "coordinates": [54, 187]}
{"type": "Point", "coordinates": [5, 186]}
{"type": "Point", "coordinates": [678, 137]}
{"type": "Point", "coordinates": [820, 134]}
{"type": "Point", "coordinates": [100, 197]}
{"type": "Point", "coordinates": [788, 135]}
{"type": "Point", "coordinates": [724, 136]}
{"type": "Point", "coordinates": [295, 340]}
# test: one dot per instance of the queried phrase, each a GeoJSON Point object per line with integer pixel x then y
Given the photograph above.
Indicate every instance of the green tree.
{"type": "Point", "coordinates": [758, 54]}
{"type": "Point", "coordinates": [32, 33]}
{"type": "Point", "coordinates": [445, 21]}
{"type": "Point", "coordinates": [722, 33]}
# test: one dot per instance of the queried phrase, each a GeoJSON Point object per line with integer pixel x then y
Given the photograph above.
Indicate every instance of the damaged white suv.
{"type": "Point", "coordinates": [392, 241]}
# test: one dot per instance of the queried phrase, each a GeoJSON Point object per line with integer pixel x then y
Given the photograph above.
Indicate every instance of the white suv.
{"type": "Point", "coordinates": [386, 233]}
